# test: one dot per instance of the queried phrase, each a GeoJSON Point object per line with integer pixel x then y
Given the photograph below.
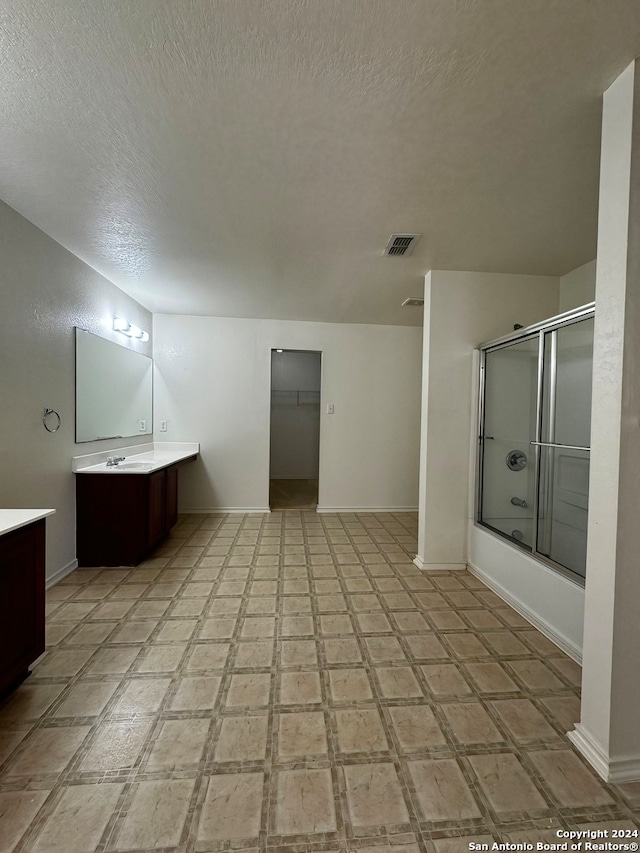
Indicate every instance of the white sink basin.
{"type": "Point", "coordinates": [134, 466]}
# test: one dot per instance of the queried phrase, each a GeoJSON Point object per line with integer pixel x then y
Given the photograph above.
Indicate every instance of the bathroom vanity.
{"type": "Point", "coordinates": [124, 510]}
{"type": "Point", "coordinates": [22, 582]}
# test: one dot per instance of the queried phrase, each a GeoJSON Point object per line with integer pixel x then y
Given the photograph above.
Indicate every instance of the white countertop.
{"type": "Point", "coordinates": [138, 459]}
{"type": "Point", "coordinates": [12, 519]}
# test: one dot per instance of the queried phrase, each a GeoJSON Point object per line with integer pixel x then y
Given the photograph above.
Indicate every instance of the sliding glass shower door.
{"type": "Point", "coordinates": [534, 439]}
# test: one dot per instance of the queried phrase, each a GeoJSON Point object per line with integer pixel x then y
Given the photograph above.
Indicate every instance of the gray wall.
{"type": "Point", "coordinates": [45, 291]}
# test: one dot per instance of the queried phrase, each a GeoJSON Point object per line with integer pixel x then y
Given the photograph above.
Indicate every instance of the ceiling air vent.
{"type": "Point", "coordinates": [414, 302]}
{"type": "Point", "coordinates": [401, 244]}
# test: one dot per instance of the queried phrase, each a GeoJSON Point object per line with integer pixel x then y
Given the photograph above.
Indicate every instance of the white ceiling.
{"type": "Point", "coordinates": [250, 158]}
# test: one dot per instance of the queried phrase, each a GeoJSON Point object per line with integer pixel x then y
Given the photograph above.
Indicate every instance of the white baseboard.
{"type": "Point", "coordinates": [615, 771]}
{"type": "Point", "coordinates": [361, 510]}
{"type": "Point", "coordinates": [56, 577]}
{"type": "Point", "coordinates": [222, 510]}
{"type": "Point", "coordinates": [560, 640]}
{"type": "Point", "coordinates": [439, 567]}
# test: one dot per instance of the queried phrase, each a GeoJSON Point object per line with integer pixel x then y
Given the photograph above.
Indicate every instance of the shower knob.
{"type": "Point", "coordinates": [516, 460]}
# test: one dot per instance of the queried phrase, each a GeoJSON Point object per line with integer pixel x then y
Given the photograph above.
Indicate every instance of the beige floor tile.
{"type": "Point", "coordinates": [249, 691]}
{"type": "Point", "coordinates": [446, 620]}
{"type": "Point", "coordinates": [189, 607]}
{"type": "Point", "coordinates": [149, 609]}
{"type": "Point", "coordinates": [470, 723]}
{"type": "Point", "coordinates": [339, 624]}
{"type": "Point", "coordinates": [156, 814]}
{"type": "Point", "coordinates": [267, 606]}
{"type": "Point", "coordinates": [504, 643]}
{"type": "Point", "coordinates": [506, 784]}
{"type": "Point", "coordinates": [398, 682]}
{"type": "Point", "coordinates": [258, 626]}
{"type": "Point", "coordinates": [179, 744]}
{"type": "Point", "coordinates": [79, 819]}
{"type": "Point", "coordinates": [141, 696]}
{"type": "Point", "coordinates": [55, 632]}
{"type": "Point", "coordinates": [565, 710]}
{"type": "Point", "coordinates": [360, 731]}
{"type": "Point", "coordinates": [17, 810]}
{"type": "Point", "coordinates": [482, 620]}
{"type": "Point", "coordinates": [373, 623]}
{"type": "Point", "coordinates": [466, 645]}
{"type": "Point", "coordinates": [242, 739]}
{"type": "Point", "coordinates": [232, 808]}
{"type": "Point", "coordinates": [374, 795]}
{"type": "Point", "coordinates": [491, 678]}
{"type": "Point", "coordinates": [91, 634]}
{"type": "Point", "coordinates": [343, 650]}
{"type": "Point", "coordinates": [298, 653]}
{"type": "Point", "coordinates": [327, 586]}
{"type": "Point", "coordinates": [224, 607]}
{"type": "Point", "coordinates": [384, 649]}
{"type": "Point", "coordinates": [427, 647]}
{"type": "Point", "coordinates": [62, 663]}
{"type": "Point", "coordinates": [134, 632]}
{"type": "Point", "coordinates": [130, 591]}
{"type": "Point", "coordinates": [411, 622]}
{"type": "Point", "coordinates": [300, 688]}
{"type": "Point", "coordinates": [296, 626]}
{"type": "Point", "coordinates": [29, 701]}
{"type": "Point", "coordinates": [365, 602]}
{"type": "Point", "coordinates": [253, 655]}
{"type": "Point", "coordinates": [304, 802]}
{"type": "Point", "coordinates": [48, 751]}
{"type": "Point", "coordinates": [572, 784]}
{"type": "Point", "coordinates": [86, 699]}
{"type": "Point", "coordinates": [349, 685]}
{"type": "Point", "coordinates": [523, 720]}
{"type": "Point", "coordinates": [112, 661]}
{"type": "Point", "coordinates": [301, 734]}
{"type": "Point", "coordinates": [216, 629]}
{"type": "Point", "coordinates": [441, 791]}
{"type": "Point", "coordinates": [416, 727]}
{"type": "Point", "coordinates": [207, 656]}
{"type": "Point", "coordinates": [535, 675]}
{"type": "Point", "coordinates": [176, 630]}
{"type": "Point", "coordinates": [331, 603]}
{"type": "Point", "coordinates": [117, 746]}
{"type": "Point", "coordinates": [196, 693]}
{"type": "Point", "coordinates": [163, 658]}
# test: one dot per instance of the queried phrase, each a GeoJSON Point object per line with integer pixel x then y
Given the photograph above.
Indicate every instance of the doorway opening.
{"type": "Point", "coordinates": [295, 429]}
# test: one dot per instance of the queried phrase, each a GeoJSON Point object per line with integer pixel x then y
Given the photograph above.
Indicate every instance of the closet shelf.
{"type": "Point", "coordinates": [295, 398]}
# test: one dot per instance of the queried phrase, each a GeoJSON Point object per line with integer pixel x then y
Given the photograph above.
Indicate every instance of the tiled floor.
{"type": "Point", "coordinates": [292, 680]}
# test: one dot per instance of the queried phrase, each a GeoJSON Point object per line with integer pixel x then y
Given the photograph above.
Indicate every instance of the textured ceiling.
{"type": "Point", "coordinates": [250, 158]}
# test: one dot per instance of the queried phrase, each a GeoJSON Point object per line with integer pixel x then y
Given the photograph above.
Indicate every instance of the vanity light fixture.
{"type": "Point", "coordinates": [128, 329]}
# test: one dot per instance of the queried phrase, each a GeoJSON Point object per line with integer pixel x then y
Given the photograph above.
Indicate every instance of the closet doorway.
{"type": "Point", "coordinates": [295, 429]}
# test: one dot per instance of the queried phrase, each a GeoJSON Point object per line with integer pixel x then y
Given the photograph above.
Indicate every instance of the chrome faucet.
{"type": "Point", "coordinates": [112, 461]}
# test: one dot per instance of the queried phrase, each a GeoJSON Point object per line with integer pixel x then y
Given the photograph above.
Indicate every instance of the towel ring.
{"type": "Point", "coordinates": [48, 412]}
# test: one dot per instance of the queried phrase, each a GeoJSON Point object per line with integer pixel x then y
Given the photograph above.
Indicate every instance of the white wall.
{"type": "Point", "coordinates": [578, 287]}
{"type": "Point", "coordinates": [212, 385]}
{"type": "Point", "coordinates": [46, 291]}
{"type": "Point", "coordinates": [295, 415]}
{"type": "Point", "coordinates": [462, 310]}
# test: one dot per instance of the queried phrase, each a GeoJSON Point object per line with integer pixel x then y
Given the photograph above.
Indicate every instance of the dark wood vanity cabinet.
{"type": "Point", "coordinates": [121, 517]}
{"type": "Point", "coordinates": [22, 569]}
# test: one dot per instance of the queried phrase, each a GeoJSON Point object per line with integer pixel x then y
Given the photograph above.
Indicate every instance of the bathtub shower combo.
{"type": "Point", "coordinates": [534, 435]}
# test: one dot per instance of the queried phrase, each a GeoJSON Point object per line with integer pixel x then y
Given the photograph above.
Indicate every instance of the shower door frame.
{"type": "Point", "coordinates": [537, 330]}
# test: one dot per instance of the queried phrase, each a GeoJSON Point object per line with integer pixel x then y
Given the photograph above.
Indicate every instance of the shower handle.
{"type": "Point", "coordinates": [519, 502]}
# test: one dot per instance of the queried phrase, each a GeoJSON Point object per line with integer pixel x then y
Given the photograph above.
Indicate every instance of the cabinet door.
{"type": "Point", "coordinates": [157, 491]}
{"type": "Point", "coordinates": [171, 506]}
{"type": "Point", "coordinates": [21, 601]}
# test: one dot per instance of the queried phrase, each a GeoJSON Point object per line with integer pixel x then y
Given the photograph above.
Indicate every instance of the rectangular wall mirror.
{"type": "Point", "coordinates": [114, 390]}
